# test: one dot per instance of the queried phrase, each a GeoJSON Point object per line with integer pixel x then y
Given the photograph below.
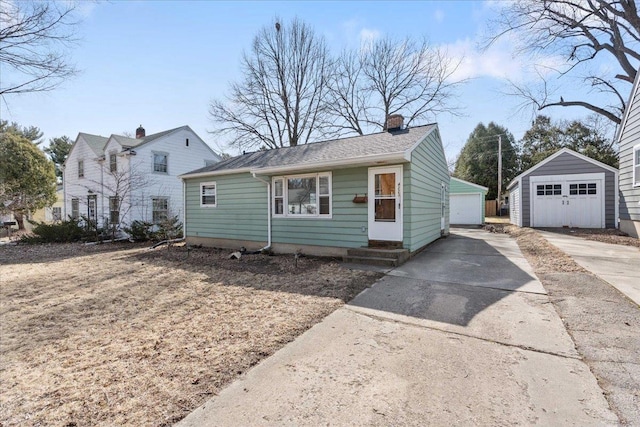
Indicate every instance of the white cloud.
{"type": "Point", "coordinates": [438, 15]}
{"type": "Point", "coordinates": [368, 35]}
{"type": "Point", "coordinates": [498, 61]}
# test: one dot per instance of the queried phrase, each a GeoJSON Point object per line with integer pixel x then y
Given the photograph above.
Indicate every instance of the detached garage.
{"type": "Point", "coordinates": [466, 202]}
{"type": "Point", "coordinates": [567, 189]}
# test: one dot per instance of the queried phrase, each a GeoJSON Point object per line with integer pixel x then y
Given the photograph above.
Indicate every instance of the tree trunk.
{"type": "Point", "coordinates": [19, 219]}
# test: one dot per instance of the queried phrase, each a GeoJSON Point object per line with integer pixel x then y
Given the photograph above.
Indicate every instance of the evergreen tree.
{"type": "Point", "coordinates": [478, 160]}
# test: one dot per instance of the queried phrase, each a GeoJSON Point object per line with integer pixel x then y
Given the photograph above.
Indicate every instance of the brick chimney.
{"type": "Point", "coordinates": [394, 122]}
{"type": "Point", "coordinates": [140, 133]}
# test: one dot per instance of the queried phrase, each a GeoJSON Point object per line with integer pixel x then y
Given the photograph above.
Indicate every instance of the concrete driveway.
{"type": "Point", "coordinates": [616, 264]}
{"type": "Point", "coordinates": [461, 334]}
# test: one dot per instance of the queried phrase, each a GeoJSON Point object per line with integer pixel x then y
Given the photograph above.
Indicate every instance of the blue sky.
{"type": "Point", "coordinates": [159, 63]}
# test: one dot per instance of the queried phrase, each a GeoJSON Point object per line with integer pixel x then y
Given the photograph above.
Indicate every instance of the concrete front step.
{"type": "Point", "coordinates": [369, 260]}
{"type": "Point", "coordinates": [374, 256]}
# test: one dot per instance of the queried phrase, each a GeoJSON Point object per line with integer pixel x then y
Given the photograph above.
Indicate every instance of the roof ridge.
{"type": "Point", "coordinates": [340, 139]}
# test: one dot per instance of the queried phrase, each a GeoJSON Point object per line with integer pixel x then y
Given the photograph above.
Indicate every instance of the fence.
{"type": "Point", "coordinates": [490, 208]}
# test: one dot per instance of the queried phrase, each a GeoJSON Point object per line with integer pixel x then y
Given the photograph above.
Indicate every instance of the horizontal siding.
{"type": "Point", "coordinates": [566, 164]}
{"type": "Point", "coordinates": [422, 189]}
{"type": "Point", "coordinates": [630, 137]}
{"type": "Point", "coordinates": [344, 229]}
{"type": "Point", "coordinates": [241, 211]}
{"type": "Point", "coordinates": [457, 187]}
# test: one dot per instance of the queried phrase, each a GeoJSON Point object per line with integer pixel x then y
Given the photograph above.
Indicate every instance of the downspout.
{"type": "Point", "coordinates": [268, 211]}
{"type": "Point", "coordinates": [184, 208]}
{"type": "Point", "coordinates": [64, 193]}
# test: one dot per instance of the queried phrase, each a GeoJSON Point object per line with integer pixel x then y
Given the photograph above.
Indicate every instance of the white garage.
{"type": "Point", "coordinates": [565, 190]}
{"type": "Point", "coordinates": [466, 202]}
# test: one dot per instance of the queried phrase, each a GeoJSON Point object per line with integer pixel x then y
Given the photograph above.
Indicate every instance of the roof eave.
{"type": "Point", "coordinates": [214, 173]}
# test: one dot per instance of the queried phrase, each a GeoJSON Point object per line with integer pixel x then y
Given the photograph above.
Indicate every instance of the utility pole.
{"type": "Point", "coordinates": [499, 173]}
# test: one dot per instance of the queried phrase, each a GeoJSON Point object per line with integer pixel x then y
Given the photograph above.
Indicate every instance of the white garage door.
{"type": "Point", "coordinates": [565, 201]}
{"type": "Point", "coordinates": [465, 208]}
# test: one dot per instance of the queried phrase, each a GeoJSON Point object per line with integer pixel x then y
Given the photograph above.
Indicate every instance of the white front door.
{"type": "Point", "coordinates": [385, 203]}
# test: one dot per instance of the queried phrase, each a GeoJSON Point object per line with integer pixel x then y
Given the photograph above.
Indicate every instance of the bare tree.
{"type": "Point", "coordinates": [34, 38]}
{"type": "Point", "coordinates": [280, 101]}
{"type": "Point", "coordinates": [388, 77]}
{"type": "Point", "coordinates": [580, 31]}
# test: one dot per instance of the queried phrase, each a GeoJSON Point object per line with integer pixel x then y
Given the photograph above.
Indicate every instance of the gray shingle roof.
{"type": "Point", "coordinates": [95, 142]}
{"type": "Point", "coordinates": [136, 142]}
{"type": "Point", "coordinates": [325, 152]}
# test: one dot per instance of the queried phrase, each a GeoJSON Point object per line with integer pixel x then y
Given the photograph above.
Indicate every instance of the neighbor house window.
{"type": "Point", "coordinates": [114, 210]}
{"type": "Point", "coordinates": [160, 209]}
{"type": "Point", "coordinates": [302, 195]}
{"type": "Point", "coordinates": [80, 168]}
{"type": "Point", "coordinates": [636, 165]}
{"type": "Point", "coordinates": [208, 194]}
{"type": "Point", "coordinates": [75, 208]}
{"type": "Point", "coordinates": [113, 162]}
{"type": "Point", "coordinates": [56, 213]}
{"type": "Point", "coordinates": [160, 162]}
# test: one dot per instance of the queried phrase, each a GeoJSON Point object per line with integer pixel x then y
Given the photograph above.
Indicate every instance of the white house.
{"type": "Point", "coordinates": [118, 179]}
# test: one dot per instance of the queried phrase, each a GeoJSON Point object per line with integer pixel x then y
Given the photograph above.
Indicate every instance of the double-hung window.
{"type": "Point", "coordinates": [161, 162]}
{"type": "Point", "coordinates": [636, 166]}
{"type": "Point", "coordinates": [114, 210]}
{"type": "Point", "coordinates": [75, 208]}
{"type": "Point", "coordinates": [80, 168]}
{"type": "Point", "coordinates": [113, 162]}
{"type": "Point", "coordinates": [300, 196]}
{"type": "Point", "coordinates": [160, 209]}
{"type": "Point", "coordinates": [208, 195]}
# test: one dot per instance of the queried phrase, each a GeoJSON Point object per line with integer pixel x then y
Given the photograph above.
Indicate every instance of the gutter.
{"type": "Point", "coordinates": [268, 210]}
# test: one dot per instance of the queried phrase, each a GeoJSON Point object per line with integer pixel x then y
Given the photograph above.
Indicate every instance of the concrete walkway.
{"type": "Point", "coordinates": [616, 264]}
{"type": "Point", "coordinates": [462, 334]}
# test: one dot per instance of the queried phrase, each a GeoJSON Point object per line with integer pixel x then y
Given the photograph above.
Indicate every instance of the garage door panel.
{"type": "Point", "coordinates": [567, 202]}
{"type": "Point", "coordinates": [465, 209]}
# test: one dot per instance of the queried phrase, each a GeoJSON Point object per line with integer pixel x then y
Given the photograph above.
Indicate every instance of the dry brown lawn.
{"type": "Point", "coordinates": [123, 335]}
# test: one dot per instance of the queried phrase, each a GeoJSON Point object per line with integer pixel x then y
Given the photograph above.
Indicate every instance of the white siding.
{"type": "Point", "coordinates": [75, 187]}
{"type": "Point", "coordinates": [514, 206]}
{"type": "Point", "coordinates": [181, 159]}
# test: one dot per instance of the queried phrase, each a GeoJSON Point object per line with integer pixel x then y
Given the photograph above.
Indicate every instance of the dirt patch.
{"type": "Point", "coordinates": [121, 335]}
{"type": "Point", "coordinates": [603, 323]}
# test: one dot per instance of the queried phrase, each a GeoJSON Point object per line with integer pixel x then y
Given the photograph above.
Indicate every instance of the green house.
{"type": "Point", "coordinates": [324, 198]}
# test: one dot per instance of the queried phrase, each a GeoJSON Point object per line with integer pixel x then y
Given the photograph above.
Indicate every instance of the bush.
{"type": "Point", "coordinates": [141, 231]}
{"type": "Point", "coordinates": [170, 228]}
{"type": "Point", "coordinates": [60, 232]}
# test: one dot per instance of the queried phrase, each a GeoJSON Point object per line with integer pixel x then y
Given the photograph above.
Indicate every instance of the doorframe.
{"type": "Point", "coordinates": [563, 179]}
{"type": "Point", "coordinates": [399, 170]}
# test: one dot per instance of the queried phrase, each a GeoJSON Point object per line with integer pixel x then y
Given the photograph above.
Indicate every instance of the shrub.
{"type": "Point", "coordinates": [170, 228]}
{"type": "Point", "coordinates": [141, 231]}
{"type": "Point", "coordinates": [60, 232]}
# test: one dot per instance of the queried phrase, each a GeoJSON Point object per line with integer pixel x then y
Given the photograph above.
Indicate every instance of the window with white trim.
{"type": "Point", "coordinates": [75, 208]}
{"type": "Point", "coordinates": [56, 213]}
{"type": "Point", "coordinates": [208, 195]}
{"type": "Point", "coordinates": [113, 162]}
{"type": "Point", "coordinates": [636, 165]}
{"type": "Point", "coordinates": [161, 162]}
{"type": "Point", "coordinates": [160, 209]}
{"type": "Point", "coordinates": [114, 210]}
{"type": "Point", "coordinates": [80, 168]}
{"type": "Point", "coordinates": [306, 195]}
